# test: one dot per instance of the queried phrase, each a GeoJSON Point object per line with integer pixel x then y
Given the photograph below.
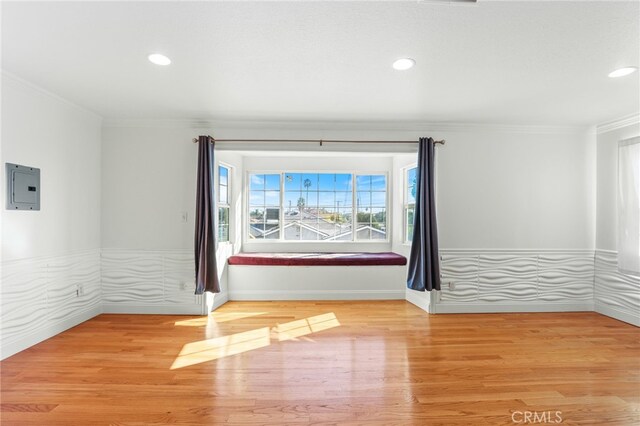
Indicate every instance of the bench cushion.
{"type": "Point", "coordinates": [318, 259]}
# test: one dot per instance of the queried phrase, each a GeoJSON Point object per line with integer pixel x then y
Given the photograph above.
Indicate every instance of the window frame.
{"type": "Point", "coordinates": [226, 205]}
{"type": "Point", "coordinates": [405, 202]}
{"type": "Point", "coordinates": [282, 173]}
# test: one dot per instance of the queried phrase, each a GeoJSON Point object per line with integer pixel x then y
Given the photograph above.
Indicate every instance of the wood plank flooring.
{"type": "Point", "coordinates": [379, 363]}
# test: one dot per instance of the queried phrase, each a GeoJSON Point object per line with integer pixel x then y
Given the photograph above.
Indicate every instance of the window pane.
{"type": "Point", "coordinates": [409, 223]}
{"type": "Point", "coordinates": [310, 181]}
{"type": "Point", "coordinates": [326, 182]}
{"type": "Point", "coordinates": [257, 182]}
{"type": "Point", "coordinates": [343, 182]}
{"type": "Point", "coordinates": [273, 215]}
{"type": "Point", "coordinates": [326, 199]}
{"type": "Point", "coordinates": [378, 199]}
{"type": "Point", "coordinates": [272, 198]}
{"type": "Point", "coordinates": [313, 209]}
{"type": "Point", "coordinates": [256, 215]}
{"type": "Point", "coordinates": [363, 183]}
{"type": "Point", "coordinates": [372, 203]}
{"type": "Point", "coordinates": [379, 218]}
{"type": "Point", "coordinates": [293, 201]}
{"type": "Point", "coordinates": [411, 186]}
{"type": "Point", "coordinates": [223, 224]}
{"type": "Point", "coordinates": [344, 199]}
{"type": "Point", "coordinates": [264, 206]}
{"type": "Point", "coordinates": [311, 199]}
{"type": "Point", "coordinates": [273, 233]}
{"type": "Point", "coordinates": [223, 175]}
{"type": "Point", "coordinates": [272, 182]}
{"type": "Point", "coordinates": [364, 198]}
{"type": "Point", "coordinates": [256, 198]}
{"type": "Point", "coordinates": [292, 181]}
{"type": "Point", "coordinates": [222, 195]}
{"type": "Point", "coordinates": [378, 183]}
{"type": "Point", "coordinates": [364, 216]}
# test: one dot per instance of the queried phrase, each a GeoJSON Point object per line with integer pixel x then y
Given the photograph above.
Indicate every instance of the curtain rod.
{"type": "Point", "coordinates": [320, 141]}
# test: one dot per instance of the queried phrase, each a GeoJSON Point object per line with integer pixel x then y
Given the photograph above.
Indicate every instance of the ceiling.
{"type": "Point", "coordinates": [507, 62]}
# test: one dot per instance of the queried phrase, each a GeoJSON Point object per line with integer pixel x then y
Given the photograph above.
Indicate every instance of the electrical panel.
{"type": "Point", "coordinates": [23, 187]}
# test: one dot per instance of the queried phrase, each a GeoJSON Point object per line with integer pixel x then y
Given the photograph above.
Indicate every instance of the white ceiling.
{"type": "Point", "coordinates": [516, 62]}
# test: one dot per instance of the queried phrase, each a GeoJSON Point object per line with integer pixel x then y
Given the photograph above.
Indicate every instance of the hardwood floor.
{"type": "Point", "coordinates": [383, 363]}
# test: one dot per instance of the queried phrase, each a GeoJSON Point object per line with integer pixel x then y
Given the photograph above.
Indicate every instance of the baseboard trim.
{"type": "Point", "coordinates": [219, 300]}
{"type": "Point", "coordinates": [618, 314]}
{"type": "Point", "coordinates": [164, 309]}
{"type": "Point", "coordinates": [476, 308]}
{"type": "Point", "coordinates": [418, 298]}
{"type": "Point", "coordinates": [318, 295]}
{"type": "Point", "coordinates": [51, 330]}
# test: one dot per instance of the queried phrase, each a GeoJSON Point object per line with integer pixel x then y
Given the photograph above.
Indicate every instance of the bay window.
{"type": "Point", "coordinates": [310, 206]}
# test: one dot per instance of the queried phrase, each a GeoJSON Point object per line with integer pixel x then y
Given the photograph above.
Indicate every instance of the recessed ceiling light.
{"type": "Point", "coordinates": [404, 64]}
{"type": "Point", "coordinates": [621, 72]}
{"type": "Point", "coordinates": [159, 59]}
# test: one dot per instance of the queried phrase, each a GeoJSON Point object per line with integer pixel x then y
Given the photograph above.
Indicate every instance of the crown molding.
{"type": "Point", "coordinates": [627, 120]}
{"type": "Point", "coordinates": [391, 126]}
{"type": "Point", "coordinates": [47, 93]}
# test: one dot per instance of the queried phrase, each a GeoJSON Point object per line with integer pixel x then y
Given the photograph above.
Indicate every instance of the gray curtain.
{"type": "Point", "coordinates": [205, 243]}
{"type": "Point", "coordinates": [424, 262]}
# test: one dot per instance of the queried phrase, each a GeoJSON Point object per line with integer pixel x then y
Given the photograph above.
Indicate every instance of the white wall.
{"type": "Point", "coordinates": [523, 190]}
{"type": "Point", "coordinates": [616, 294]}
{"type": "Point", "coordinates": [47, 254]}
{"type": "Point", "coordinates": [148, 181]}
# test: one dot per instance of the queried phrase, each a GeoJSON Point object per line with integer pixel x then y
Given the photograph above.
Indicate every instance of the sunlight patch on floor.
{"type": "Point", "coordinates": [218, 317]}
{"type": "Point", "coordinates": [303, 327]}
{"type": "Point", "coordinates": [211, 349]}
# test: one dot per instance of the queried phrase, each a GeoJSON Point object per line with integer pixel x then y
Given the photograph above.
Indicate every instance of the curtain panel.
{"type": "Point", "coordinates": [205, 243]}
{"type": "Point", "coordinates": [424, 261]}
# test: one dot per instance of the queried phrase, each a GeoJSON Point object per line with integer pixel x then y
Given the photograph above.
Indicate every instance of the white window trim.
{"type": "Point", "coordinates": [354, 174]}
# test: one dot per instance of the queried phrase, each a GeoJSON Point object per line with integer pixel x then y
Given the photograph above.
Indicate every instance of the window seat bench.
{"type": "Point", "coordinates": [317, 276]}
{"type": "Point", "coordinates": [318, 259]}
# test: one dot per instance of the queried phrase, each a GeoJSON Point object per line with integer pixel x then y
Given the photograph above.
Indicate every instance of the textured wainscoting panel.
{"type": "Point", "coordinates": [507, 277]}
{"type": "Point", "coordinates": [44, 296]}
{"type": "Point", "coordinates": [616, 294]}
{"type": "Point", "coordinates": [501, 281]}
{"type": "Point", "coordinates": [463, 271]}
{"type": "Point", "coordinates": [149, 281]}
{"type": "Point", "coordinates": [565, 277]}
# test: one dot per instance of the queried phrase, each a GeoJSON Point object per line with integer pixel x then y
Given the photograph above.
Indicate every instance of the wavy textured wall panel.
{"type": "Point", "coordinates": [616, 294]}
{"type": "Point", "coordinates": [492, 280]}
{"type": "Point", "coordinates": [463, 271]}
{"type": "Point", "coordinates": [144, 281]}
{"type": "Point", "coordinates": [44, 296]}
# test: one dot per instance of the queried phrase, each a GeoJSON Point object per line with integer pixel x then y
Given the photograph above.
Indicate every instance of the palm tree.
{"type": "Point", "coordinates": [301, 204]}
{"type": "Point", "coordinates": [307, 184]}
